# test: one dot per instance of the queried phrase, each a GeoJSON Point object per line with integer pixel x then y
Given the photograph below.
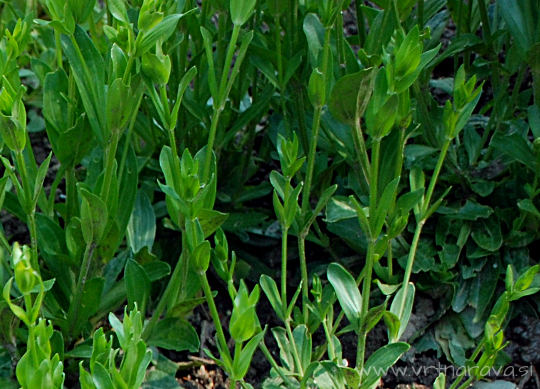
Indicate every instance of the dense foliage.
{"type": "Point", "coordinates": [386, 149]}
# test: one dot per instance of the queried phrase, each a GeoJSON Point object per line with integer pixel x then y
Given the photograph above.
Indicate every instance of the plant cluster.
{"type": "Point", "coordinates": [388, 158]}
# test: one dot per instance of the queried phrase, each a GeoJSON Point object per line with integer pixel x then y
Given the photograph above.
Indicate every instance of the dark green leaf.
{"type": "Point", "coordinates": [175, 334]}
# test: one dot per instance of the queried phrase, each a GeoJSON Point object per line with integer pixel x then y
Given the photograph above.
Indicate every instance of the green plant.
{"type": "Point", "coordinates": [264, 125]}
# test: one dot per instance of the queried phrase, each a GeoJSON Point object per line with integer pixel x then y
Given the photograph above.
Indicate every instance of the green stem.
{"type": "Point", "coordinates": [284, 234]}
{"type": "Point", "coordinates": [127, 71]}
{"type": "Point", "coordinates": [210, 146]}
{"type": "Point", "coordinates": [304, 273]}
{"type": "Point", "coordinates": [458, 380]}
{"type": "Point", "coordinates": [315, 130]}
{"type": "Point", "coordinates": [296, 357]}
{"type": "Point", "coordinates": [311, 159]}
{"type": "Point", "coordinates": [467, 383]}
{"type": "Point", "coordinates": [420, 9]}
{"type": "Point", "coordinates": [435, 176]}
{"type": "Point", "coordinates": [58, 48]}
{"type": "Point", "coordinates": [420, 224]}
{"type": "Point", "coordinates": [409, 267]}
{"type": "Point", "coordinates": [33, 239]}
{"type": "Point", "coordinates": [215, 316]}
{"type": "Point", "coordinates": [227, 66]}
{"type": "Point", "coordinates": [328, 335]}
{"type": "Point", "coordinates": [54, 186]}
{"type": "Point", "coordinates": [273, 363]}
{"type": "Point", "coordinates": [366, 291]}
{"type": "Point", "coordinates": [374, 177]}
{"type": "Point", "coordinates": [361, 151]}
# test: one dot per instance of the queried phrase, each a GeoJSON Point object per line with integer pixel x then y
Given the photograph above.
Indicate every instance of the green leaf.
{"type": "Point", "coordinates": [141, 229]}
{"type": "Point", "coordinates": [93, 216]}
{"type": "Point", "coordinates": [373, 316]}
{"type": "Point", "coordinates": [440, 382]}
{"type": "Point", "coordinates": [285, 348]}
{"type": "Point", "coordinates": [270, 289]}
{"type": "Point", "coordinates": [317, 88]}
{"type": "Point", "coordinates": [534, 120]}
{"type": "Point", "coordinates": [382, 360]}
{"type": "Point", "coordinates": [384, 206]}
{"type": "Point", "coordinates": [402, 309]}
{"type": "Point", "coordinates": [90, 300]}
{"type": "Point", "coordinates": [339, 209]}
{"type": "Point", "coordinates": [242, 364]}
{"type": "Point", "coordinates": [483, 288]}
{"type": "Point", "coordinates": [351, 94]}
{"type": "Point", "coordinates": [175, 334]}
{"type": "Point", "coordinates": [521, 18]}
{"type": "Point", "coordinates": [137, 285]}
{"type": "Point", "coordinates": [516, 147]}
{"type": "Point", "coordinates": [241, 10]}
{"type": "Point", "coordinates": [528, 206]}
{"type": "Point", "coordinates": [387, 290]}
{"type": "Point", "coordinates": [101, 377]}
{"type": "Point", "coordinates": [347, 293]}
{"type": "Point", "coordinates": [117, 9]}
{"type": "Point", "coordinates": [314, 31]}
{"type": "Point", "coordinates": [89, 73]}
{"type": "Point", "coordinates": [211, 220]}
{"type": "Point", "coordinates": [302, 340]}
{"type": "Point", "coordinates": [487, 234]}
{"type": "Point", "coordinates": [160, 32]}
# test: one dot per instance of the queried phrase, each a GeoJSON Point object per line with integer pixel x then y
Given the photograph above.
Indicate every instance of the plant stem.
{"type": "Point", "coordinates": [227, 66]}
{"type": "Point", "coordinates": [284, 234]}
{"type": "Point", "coordinates": [435, 176]}
{"type": "Point", "coordinates": [420, 9]}
{"type": "Point", "coordinates": [58, 49]}
{"type": "Point", "coordinates": [315, 131]}
{"type": "Point", "coordinates": [420, 224]}
{"type": "Point", "coordinates": [296, 357]}
{"type": "Point", "coordinates": [210, 146]}
{"type": "Point", "coordinates": [215, 316]}
{"type": "Point", "coordinates": [273, 362]}
{"type": "Point", "coordinates": [304, 274]}
{"type": "Point", "coordinates": [361, 151]}
{"type": "Point", "coordinates": [374, 177]}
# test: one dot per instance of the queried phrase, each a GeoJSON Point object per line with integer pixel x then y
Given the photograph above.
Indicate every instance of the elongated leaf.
{"type": "Point", "coordinates": [117, 8]}
{"type": "Point", "coordinates": [93, 216]}
{"type": "Point", "coordinates": [137, 285]}
{"type": "Point", "coordinates": [270, 289]}
{"type": "Point", "coordinates": [402, 309]}
{"type": "Point", "coordinates": [88, 69]}
{"type": "Point", "coordinates": [350, 95]}
{"type": "Point", "coordinates": [162, 32]}
{"type": "Point", "coordinates": [141, 229]}
{"type": "Point", "coordinates": [382, 360]}
{"type": "Point", "coordinates": [347, 293]}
